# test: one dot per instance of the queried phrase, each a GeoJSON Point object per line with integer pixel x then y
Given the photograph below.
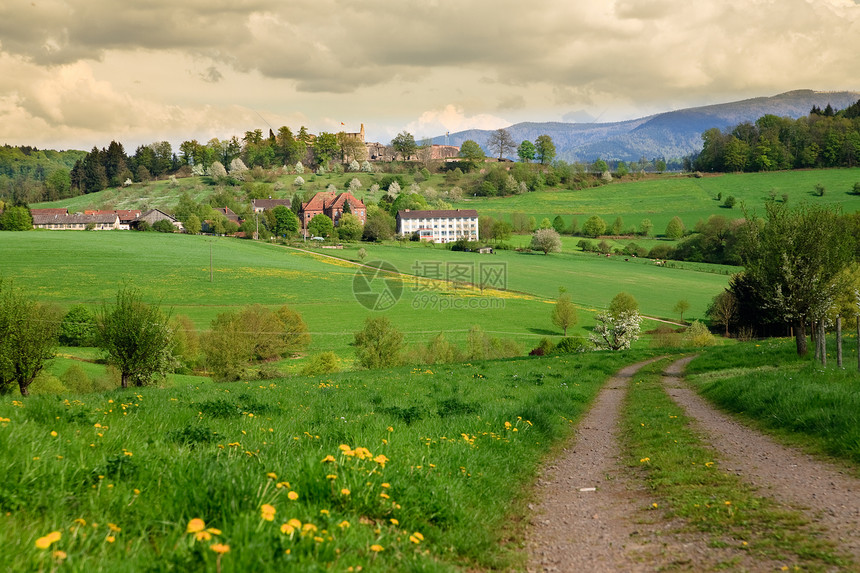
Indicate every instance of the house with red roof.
{"type": "Point", "coordinates": [333, 205]}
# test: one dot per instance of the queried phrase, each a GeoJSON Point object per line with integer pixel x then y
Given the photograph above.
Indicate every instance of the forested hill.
{"type": "Point", "coordinates": [24, 167]}
{"type": "Point", "coordinates": [673, 134]}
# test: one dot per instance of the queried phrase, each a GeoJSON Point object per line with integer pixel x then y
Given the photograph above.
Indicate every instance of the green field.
{"type": "Point", "coordinates": [80, 267]}
{"type": "Point", "coordinates": [692, 199]}
{"type": "Point", "coordinates": [121, 475]}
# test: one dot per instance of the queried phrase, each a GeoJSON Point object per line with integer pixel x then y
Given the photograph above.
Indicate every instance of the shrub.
{"type": "Point", "coordinates": [322, 363]}
{"type": "Point", "coordinates": [76, 380]}
{"type": "Point", "coordinates": [78, 327]}
{"type": "Point", "coordinates": [698, 335]}
{"type": "Point", "coordinates": [729, 202]}
{"type": "Point", "coordinates": [569, 345]}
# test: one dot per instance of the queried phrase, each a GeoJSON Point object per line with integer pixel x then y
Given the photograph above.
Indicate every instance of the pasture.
{"type": "Point", "coordinates": [405, 469]}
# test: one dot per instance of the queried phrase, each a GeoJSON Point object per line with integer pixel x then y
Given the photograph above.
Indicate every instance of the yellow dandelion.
{"type": "Point", "coordinates": [195, 525]}
{"type": "Point", "coordinates": [384, 495]}
{"type": "Point", "coordinates": [343, 524]}
{"type": "Point", "coordinates": [324, 512]}
{"type": "Point", "coordinates": [293, 495]}
{"type": "Point", "coordinates": [59, 555]}
{"type": "Point", "coordinates": [390, 429]}
{"type": "Point", "coordinates": [295, 523]}
{"type": "Point", "coordinates": [654, 505]}
{"type": "Point", "coordinates": [110, 539]}
{"type": "Point", "coordinates": [272, 475]}
{"type": "Point", "coordinates": [80, 521]}
{"type": "Point", "coordinates": [414, 539]}
{"type": "Point", "coordinates": [220, 548]}
{"type": "Point", "coordinates": [344, 448]}
{"type": "Point", "coordinates": [267, 512]}
{"type": "Point", "coordinates": [203, 536]}
{"type": "Point", "coordinates": [287, 529]}
{"type": "Point", "coordinates": [344, 491]}
{"type": "Point", "coordinates": [377, 548]}
{"type": "Point", "coordinates": [394, 521]}
{"type": "Point", "coordinates": [114, 527]}
{"type": "Point", "coordinates": [418, 536]}
{"type": "Point", "coordinates": [214, 531]}
{"type": "Point", "coordinates": [53, 434]}
{"type": "Point", "coordinates": [331, 476]}
{"type": "Point", "coordinates": [386, 485]}
{"type": "Point", "coordinates": [48, 540]}
{"type": "Point", "coordinates": [327, 459]}
{"type": "Point", "coordinates": [381, 460]}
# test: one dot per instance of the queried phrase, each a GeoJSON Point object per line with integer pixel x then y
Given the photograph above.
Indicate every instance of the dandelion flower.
{"type": "Point", "coordinates": [214, 531]}
{"type": "Point", "coordinates": [343, 524]}
{"type": "Point", "coordinates": [220, 548]}
{"type": "Point", "coordinates": [390, 429]}
{"type": "Point", "coordinates": [48, 540]}
{"type": "Point", "coordinates": [327, 459]}
{"type": "Point", "coordinates": [114, 527]}
{"type": "Point", "coordinates": [53, 434]}
{"type": "Point", "coordinates": [394, 521]}
{"type": "Point", "coordinates": [195, 525]}
{"type": "Point", "coordinates": [386, 485]}
{"type": "Point", "coordinates": [110, 539]}
{"type": "Point", "coordinates": [324, 512]}
{"type": "Point", "coordinates": [293, 495]}
{"type": "Point", "coordinates": [344, 491]}
{"type": "Point", "coordinates": [202, 536]}
{"type": "Point", "coordinates": [59, 555]}
{"type": "Point", "coordinates": [331, 476]}
{"type": "Point", "coordinates": [654, 505]}
{"type": "Point", "coordinates": [384, 495]}
{"type": "Point", "coordinates": [287, 529]}
{"type": "Point", "coordinates": [376, 548]}
{"type": "Point", "coordinates": [267, 512]}
{"type": "Point", "coordinates": [381, 460]}
{"type": "Point", "coordinates": [272, 475]}
{"type": "Point", "coordinates": [295, 523]}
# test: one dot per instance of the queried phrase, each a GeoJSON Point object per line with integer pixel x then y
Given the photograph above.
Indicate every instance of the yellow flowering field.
{"type": "Point", "coordinates": [405, 469]}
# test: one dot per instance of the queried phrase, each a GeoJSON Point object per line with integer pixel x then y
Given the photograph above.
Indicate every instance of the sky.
{"type": "Point", "coordinates": [79, 73]}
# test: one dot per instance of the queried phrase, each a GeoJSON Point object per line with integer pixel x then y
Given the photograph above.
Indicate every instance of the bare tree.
{"type": "Point", "coordinates": [501, 142]}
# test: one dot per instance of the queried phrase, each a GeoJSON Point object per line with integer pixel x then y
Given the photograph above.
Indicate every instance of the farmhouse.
{"type": "Point", "coordinates": [154, 215]}
{"type": "Point", "coordinates": [76, 222]}
{"type": "Point", "coordinates": [333, 206]}
{"type": "Point", "coordinates": [126, 216]}
{"type": "Point", "coordinates": [230, 214]}
{"type": "Point", "coordinates": [439, 226]}
{"type": "Point", "coordinates": [260, 205]}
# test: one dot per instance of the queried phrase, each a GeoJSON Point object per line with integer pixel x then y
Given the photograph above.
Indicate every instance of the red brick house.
{"type": "Point", "coordinates": [333, 206]}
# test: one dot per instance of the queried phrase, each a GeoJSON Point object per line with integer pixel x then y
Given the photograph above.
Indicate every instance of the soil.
{"type": "Point", "coordinates": [595, 514]}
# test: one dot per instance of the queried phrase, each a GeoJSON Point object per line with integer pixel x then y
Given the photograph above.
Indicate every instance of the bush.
{"type": "Point", "coordinates": [544, 348]}
{"type": "Point", "coordinates": [729, 202]}
{"type": "Point", "coordinates": [698, 335]}
{"type": "Point", "coordinates": [47, 384]}
{"type": "Point", "coordinates": [76, 380]}
{"type": "Point", "coordinates": [569, 345]}
{"type": "Point", "coordinates": [665, 337]}
{"type": "Point", "coordinates": [78, 327]}
{"type": "Point", "coordinates": [322, 363]}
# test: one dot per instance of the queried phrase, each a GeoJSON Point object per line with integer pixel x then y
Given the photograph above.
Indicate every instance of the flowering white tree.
{"type": "Point", "coordinates": [237, 166]}
{"type": "Point", "coordinates": [331, 188]}
{"type": "Point", "coordinates": [298, 181]}
{"type": "Point", "coordinates": [615, 332]}
{"type": "Point", "coordinates": [299, 167]}
{"type": "Point", "coordinates": [217, 170]}
{"type": "Point", "coordinates": [546, 240]}
{"type": "Point", "coordinates": [394, 189]}
{"type": "Point", "coordinates": [366, 167]}
{"type": "Point", "coordinates": [354, 185]}
{"type": "Point", "coordinates": [374, 188]}
{"type": "Point", "coordinates": [354, 165]}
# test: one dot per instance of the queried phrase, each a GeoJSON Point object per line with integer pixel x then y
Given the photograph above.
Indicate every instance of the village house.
{"type": "Point", "coordinates": [260, 205]}
{"type": "Point", "coordinates": [154, 215]}
{"type": "Point", "coordinates": [333, 206]}
{"type": "Point", "coordinates": [439, 226]}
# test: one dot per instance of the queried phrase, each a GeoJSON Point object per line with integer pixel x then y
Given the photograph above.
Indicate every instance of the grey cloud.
{"type": "Point", "coordinates": [211, 75]}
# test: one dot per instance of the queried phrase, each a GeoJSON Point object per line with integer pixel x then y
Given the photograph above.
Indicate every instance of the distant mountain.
{"type": "Point", "coordinates": [670, 135]}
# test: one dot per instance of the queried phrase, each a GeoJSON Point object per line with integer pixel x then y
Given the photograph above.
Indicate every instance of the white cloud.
{"type": "Point", "coordinates": [452, 118]}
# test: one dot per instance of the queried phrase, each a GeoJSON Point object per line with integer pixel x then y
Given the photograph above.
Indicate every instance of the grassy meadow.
{"type": "Point", "coordinates": [410, 469]}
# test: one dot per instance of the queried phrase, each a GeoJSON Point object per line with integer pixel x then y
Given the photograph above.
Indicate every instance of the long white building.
{"type": "Point", "coordinates": [439, 226]}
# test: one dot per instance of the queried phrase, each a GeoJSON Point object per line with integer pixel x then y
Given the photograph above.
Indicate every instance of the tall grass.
{"type": "Point", "coordinates": [459, 444]}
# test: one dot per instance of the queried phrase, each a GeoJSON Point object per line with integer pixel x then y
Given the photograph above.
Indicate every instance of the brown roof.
{"type": "Point", "coordinates": [35, 212]}
{"type": "Point", "coordinates": [123, 214]}
{"type": "Point", "coordinates": [76, 219]}
{"type": "Point", "coordinates": [446, 214]}
{"type": "Point", "coordinates": [354, 202]}
{"type": "Point", "coordinates": [229, 213]}
{"type": "Point", "coordinates": [319, 201]}
{"type": "Point", "coordinates": [271, 203]}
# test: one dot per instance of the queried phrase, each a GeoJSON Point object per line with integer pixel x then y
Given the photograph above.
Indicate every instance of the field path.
{"type": "Point", "coordinates": [827, 495]}
{"type": "Point", "coordinates": [592, 515]}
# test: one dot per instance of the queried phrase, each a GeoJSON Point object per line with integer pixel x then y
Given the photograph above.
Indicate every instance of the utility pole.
{"type": "Point", "coordinates": [210, 260]}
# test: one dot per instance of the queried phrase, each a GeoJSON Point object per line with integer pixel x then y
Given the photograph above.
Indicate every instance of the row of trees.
{"type": "Point", "coordinates": [771, 143]}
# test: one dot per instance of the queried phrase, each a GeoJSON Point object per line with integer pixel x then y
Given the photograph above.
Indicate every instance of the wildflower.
{"type": "Point", "coordinates": [282, 484]}
{"type": "Point", "coordinates": [53, 434]}
{"type": "Point", "coordinates": [203, 536]}
{"type": "Point", "coordinates": [390, 429]}
{"type": "Point", "coordinates": [386, 485]}
{"type": "Point", "coordinates": [295, 523]}
{"type": "Point", "coordinates": [213, 531]}
{"type": "Point", "coordinates": [331, 476]}
{"type": "Point", "coordinates": [709, 464]}
{"type": "Point", "coordinates": [287, 529]}
{"type": "Point", "coordinates": [328, 458]}
{"type": "Point", "coordinates": [728, 503]}
{"type": "Point", "coordinates": [507, 425]}
{"type": "Point", "coordinates": [110, 539]}
{"type": "Point", "coordinates": [377, 548]}
{"type": "Point", "coordinates": [81, 521]}
{"type": "Point", "coordinates": [220, 548]}
{"type": "Point", "coordinates": [643, 460]}
{"type": "Point", "coordinates": [416, 538]}
{"type": "Point", "coordinates": [272, 475]}
{"type": "Point", "coordinates": [195, 525]}
{"type": "Point", "coordinates": [343, 524]}
{"type": "Point", "coordinates": [48, 540]}
{"type": "Point", "coordinates": [113, 527]}
{"type": "Point", "coordinates": [394, 521]}
{"type": "Point", "coordinates": [384, 495]}
{"type": "Point", "coordinates": [344, 491]}
{"type": "Point", "coordinates": [267, 512]}
{"type": "Point", "coordinates": [293, 495]}
{"type": "Point", "coordinates": [59, 555]}
{"type": "Point", "coordinates": [344, 448]}
{"type": "Point", "coordinates": [381, 460]}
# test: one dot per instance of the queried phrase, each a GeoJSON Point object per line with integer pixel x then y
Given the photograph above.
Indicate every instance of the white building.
{"type": "Point", "coordinates": [439, 226]}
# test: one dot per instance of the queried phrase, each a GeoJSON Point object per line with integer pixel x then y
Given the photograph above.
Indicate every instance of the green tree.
{"type": "Point", "coordinates": [546, 240]}
{"type": "Point", "coordinates": [793, 259]}
{"type": "Point", "coordinates": [645, 227]}
{"type": "Point", "coordinates": [404, 145]}
{"type": "Point", "coordinates": [378, 344]}
{"type": "Point", "coordinates": [681, 307]}
{"type": "Point", "coordinates": [28, 338]}
{"type": "Point", "coordinates": [501, 142]}
{"type": "Point", "coordinates": [325, 147]}
{"type": "Point", "coordinates": [622, 303]}
{"type": "Point", "coordinates": [618, 226]}
{"type": "Point", "coordinates": [564, 312]}
{"type": "Point", "coordinates": [544, 149]}
{"type": "Point", "coordinates": [594, 226]}
{"type": "Point", "coordinates": [136, 337]}
{"type": "Point", "coordinates": [192, 224]}
{"type": "Point", "coordinates": [285, 223]}
{"type": "Point", "coordinates": [321, 226]}
{"type": "Point", "coordinates": [526, 151]}
{"type": "Point", "coordinates": [558, 224]}
{"type": "Point", "coordinates": [349, 227]}
{"type": "Point", "coordinates": [675, 229]}
{"type": "Point", "coordinates": [472, 153]}
{"type": "Point", "coordinates": [16, 219]}
{"type": "Point", "coordinates": [163, 226]}
{"type": "Point", "coordinates": [379, 226]}
{"type": "Point", "coordinates": [599, 166]}
{"type": "Point", "coordinates": [78, 327]}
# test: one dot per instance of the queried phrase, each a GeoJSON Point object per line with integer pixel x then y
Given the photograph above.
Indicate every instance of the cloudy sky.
{"type": "Point", "coordinates": [78, 73]}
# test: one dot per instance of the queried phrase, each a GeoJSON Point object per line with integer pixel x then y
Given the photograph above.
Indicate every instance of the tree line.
{"type": "Point", "coordinates": [827, 138]}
